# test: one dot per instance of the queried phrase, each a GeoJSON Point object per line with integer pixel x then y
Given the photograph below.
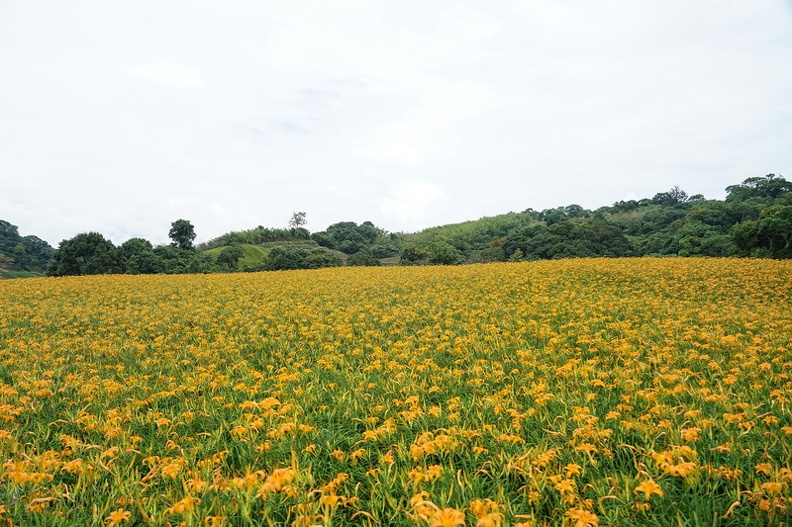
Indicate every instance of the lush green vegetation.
{"type": "Point", "coordinates": [5, 273]}
{"type": "Point", "coordinates": [754, 220]}
{"type": "Point", "coordinates": [251, 257]}
{"type": "Point", "coordinates": [257, 236]}
{"type": "Point", "coordinates": [22, 256]}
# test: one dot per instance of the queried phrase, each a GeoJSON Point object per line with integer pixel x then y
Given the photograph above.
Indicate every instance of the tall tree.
{"type": "Point", "coordinates": [182, 233]}
{"type": "Point", "coordinates": [297, 220]}
{"type": "Point", "coordinates": [769, 186]}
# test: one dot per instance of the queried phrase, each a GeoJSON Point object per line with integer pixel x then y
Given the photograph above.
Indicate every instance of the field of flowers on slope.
{"type": "Point", "coordinates": [570, 393]}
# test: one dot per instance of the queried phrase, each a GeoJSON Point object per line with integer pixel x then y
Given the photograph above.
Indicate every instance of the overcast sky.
{"type": "Point", "coordinates": [121, 117]}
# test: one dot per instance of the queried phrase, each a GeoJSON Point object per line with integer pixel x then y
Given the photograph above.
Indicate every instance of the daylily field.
{"type": "Point", "coordinates": [601, 392]}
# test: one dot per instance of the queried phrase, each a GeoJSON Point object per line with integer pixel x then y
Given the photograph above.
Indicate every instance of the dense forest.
{"type": "Point", "coordinates": [22, 256]}
{"type": "Point", "coordinates": [755, 220]}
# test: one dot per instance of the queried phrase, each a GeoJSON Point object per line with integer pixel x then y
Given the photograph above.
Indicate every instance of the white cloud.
{"type": "Point", "coordinates": [269, 107]}
{"type": "Point", "coordinates": [398, 152]}
{"type": "Point", "coordinates": [410, 201]}
{"type": "Point", "coordinates": [165, 73]}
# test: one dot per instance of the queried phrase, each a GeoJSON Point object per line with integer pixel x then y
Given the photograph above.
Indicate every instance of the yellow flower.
{"type": "Point", "coordinates": [448, 517]}
{"type": "Point", "coordinates": [493, 519]}
{"type": "Point", "coordinates": [573, 469]}
{"type": "Point", "coordinates": [171, 470]}
{"type": "Point", "coordinates": [184, 505]}
{"type": "Point", "coordinates": [481, 508]}
{"type": "Point", "coordinates": [434, 472]}
{"type": "Point", "coordinates": [422, 506]}
{"type": "Point", "coordinates": [773, 487]}
{"type": "Point", "coordinates": [583, 518]}
{"type": "Point", "coordinates": [74, 466]}
{"type": "Point", "coordinates": [276, 481]}
{"type": "Point", "coordinates": [565, 486]}
{"type": "Point", "coordinates": [691, 434]}
{"type": "Point", "coordinates": [118, 516]}
{"type": "Point", "coordinates": [649, 487]}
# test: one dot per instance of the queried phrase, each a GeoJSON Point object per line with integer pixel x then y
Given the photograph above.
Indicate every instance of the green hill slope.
{"type": "Point", "coordinates": [254, 256]}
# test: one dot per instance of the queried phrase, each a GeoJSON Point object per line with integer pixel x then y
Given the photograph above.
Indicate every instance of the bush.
{"type": "Point", "coordinates": [362, 258]}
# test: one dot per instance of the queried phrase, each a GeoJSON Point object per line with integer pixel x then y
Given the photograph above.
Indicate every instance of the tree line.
{"type": "Point", "coordinates": [754, 220]}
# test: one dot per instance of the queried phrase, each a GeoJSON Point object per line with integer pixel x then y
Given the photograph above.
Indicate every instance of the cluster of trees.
{"type": "Point", "coordinates": [344, 243]}
{"type": "Point", "coordinates": [755, 220]}
{"type": "Point", "coordinates": [90, 253]}
{"type": "Point", "coordinates": [567, 239]}
{"type": "Point", "coordinates": [764, 206]}
{"type": "Point", "coordinates": [17, 252]}
{"type": "Point", "coordinates": [366, 241]}
{"type": "Point", "coordinates": [283, 258]}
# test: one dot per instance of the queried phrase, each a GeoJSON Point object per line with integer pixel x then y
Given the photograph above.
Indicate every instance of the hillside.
{"type": "Point", "coordinates": [254, 257]}
{"type": "Point", "coordinates": [5, 274]}
{"type": "Point", "coordinates": [754, 220]}
{"type": "Point", "coordinates": [22, 256]}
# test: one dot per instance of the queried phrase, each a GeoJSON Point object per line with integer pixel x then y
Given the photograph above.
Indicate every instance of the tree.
{"type": "Point", "coordinates": [551, 216]}
{"type": "Point", "coordinates": [200, 263]}
{"type": "Point", "coordinates": [443, 253]}
{"type": "Point", "coordinates": [714, 213]}
{"type": "Point", "coordinates": [349, 237]}
{"type": "Point", "coordinates": [280, 259]}
{"type": "Point", "coordinates": [678, 194]}
{"type": "Point", "coordinates": [770, 235]}
{"type": "Point", "coordinates": [438, 252]}
{"type": "Point", "coordinates": [362, 258]}
{"type": "Point", "coordinates": [229, 258]}
{"type": "Point", "coordinates": [29, 253]}
{"type": "Point", "coordinates": [318, 258]}
{"type": "Point", "coordinates": [38, 252]}
{"type": "Point", "coordinates": [386, 249]}
{"type": "Point", "coordinates": [770, 186]}
{"type": "Point", "coordinates": [182, 233]}
{"type": "Point", "coordinates": [575, 211]}
{"type": "Point", "coordinates": [297, 220]}
{"type": "Point", "coordinates": [323, 239]}
{"type": "Point", "coordinates": [140, 257]}
{"type": "Point", "coordinates": [568, 239]}
{"type": "Point", "coordinates": [416, 254]}
{"type": "Point", "coordinates": [173, 260]}
{"type": "Point", "coordinates": [86, 253]}
{"type": "Point", "coordinates": [695, 238]}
